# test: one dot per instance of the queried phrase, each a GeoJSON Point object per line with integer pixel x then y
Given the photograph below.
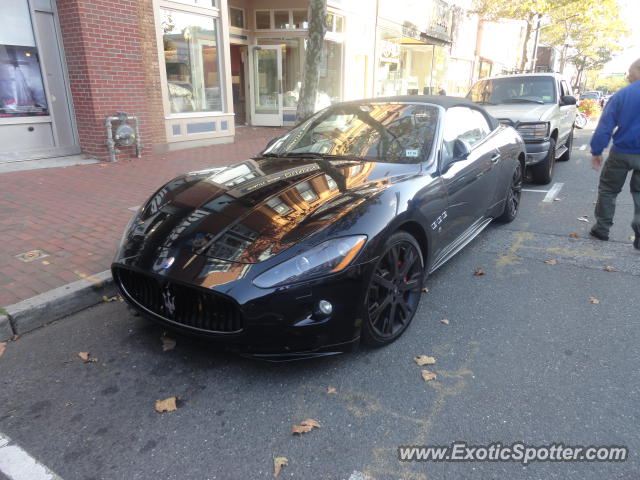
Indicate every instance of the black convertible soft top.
{"type": "Point", "coordinates": [442, 100]}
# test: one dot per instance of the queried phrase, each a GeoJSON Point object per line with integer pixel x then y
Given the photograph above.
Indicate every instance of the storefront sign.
{"type": "Point", "coordinates": [441, 21]}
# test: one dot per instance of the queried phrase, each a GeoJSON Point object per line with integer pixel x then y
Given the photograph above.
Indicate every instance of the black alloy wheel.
{"type": "Point", "coordinates": [393, 290]}
{"type": "Point", "coordinates": [512, 201]}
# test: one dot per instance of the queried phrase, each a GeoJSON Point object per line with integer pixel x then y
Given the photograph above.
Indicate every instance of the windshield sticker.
{"type": "Point", "coordinates": [411, 153]}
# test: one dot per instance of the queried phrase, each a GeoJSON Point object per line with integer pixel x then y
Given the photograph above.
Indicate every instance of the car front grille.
{"type": "Point", "coordinates": [189, 306]}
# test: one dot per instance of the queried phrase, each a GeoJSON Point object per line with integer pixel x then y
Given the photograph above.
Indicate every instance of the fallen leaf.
{"type": "Point", "coordinates": [15, 337]}
{"type": "Point", "coordinates": [45, 262]}
{"type": "Point", "coordinates": [278, 463]}
{"type": "Point", "coordinates": [168, 343]}
{"type": "Point", "coordinates": [86, 357]}
{"type": "Point", "coordinates": [425, 290]}
{"type": "Point", "coordinates": [427, 375]}
{"type": "Point", "coordinates": [445, 321]}
{"type": "Point", "coordinates": [109, 299]}
{"type": "Point", "coordinates": [166, 405]}
{"type": "Point", "coordinates": [3, 346]}
{"type": "Point", "coordinates": [68, 404]}
{"type": "Point", "coordinates": [583, 219]}
{"type": "Point", "coordinates": [424, 360]}
{"type": "Point", "coordinates": [478, 272]}
{"type": "Point", "coordinates": [594, 300]}
{"type": "Point", "coordinates": [609, 268]}
{"type": "Point", "coordinates": [551, 262]}
{"type": "Point", "coordinates": [305, 426]}
{"type": "Point", "coordinates": [557, 199]}
{"type": "Point", "coordinates": [573, 235]}
{"type": "Point", "coordinates": [330, 389]}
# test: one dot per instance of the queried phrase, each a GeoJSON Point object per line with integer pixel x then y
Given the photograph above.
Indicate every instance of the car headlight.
{"type": "Point", "coordinates": [329, 257]}
{"type": "Point", "coordinates": [534, 131]}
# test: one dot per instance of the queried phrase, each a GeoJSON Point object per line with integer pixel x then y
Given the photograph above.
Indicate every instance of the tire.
{"type": "Point", "coordinates": [393, 290]}
{"type": "Point", "coordinates": [542, 173]}
{"type": "Point", "coordinates": [569, 144]}
{"type": "Point", "coordinates": [514, 194]}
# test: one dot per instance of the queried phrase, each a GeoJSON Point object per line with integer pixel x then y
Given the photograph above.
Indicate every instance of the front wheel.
{"type": "Point", "coordinates": [393, 290]}
{"type": "Point", "coordinates": [581, 120]}
{"type": "Point", "coordinates": [542, 172]}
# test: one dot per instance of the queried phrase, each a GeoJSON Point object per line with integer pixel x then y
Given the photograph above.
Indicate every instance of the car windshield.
{"type": "Point", "coordinates": [514, 90]}
{"type": "Point", "coordinates": [380, 132]}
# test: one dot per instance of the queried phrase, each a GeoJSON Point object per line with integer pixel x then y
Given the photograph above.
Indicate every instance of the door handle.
{"type": "Point", "coordinates": [495, 157]}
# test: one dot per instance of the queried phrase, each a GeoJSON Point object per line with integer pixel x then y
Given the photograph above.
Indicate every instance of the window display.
{"type": "Point", "coordinates": [191, 58]}
{"type": "Point", "coordinates": [21, 88]}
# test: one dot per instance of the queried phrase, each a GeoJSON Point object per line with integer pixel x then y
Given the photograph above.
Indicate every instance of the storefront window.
{"type": "Point", "coordinates": [300, 20]}
{"type": "Point", "coordinates": [293, 57]}
{"type": "Point", "coordinates": [21, 87]}
{"type": "Point", "coordinates": [236, 17]}
{"type": "Point", "coordinates": [281, 19]}
{"type": "Point", "coordinates": [330, 84]}
{"type": "Point", "coordinates": [191, 58]}
{"type": "Point", "coordinates": [263, 19]}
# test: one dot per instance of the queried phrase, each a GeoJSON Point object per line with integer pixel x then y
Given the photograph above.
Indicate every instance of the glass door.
{"type": "Point", "coordinates": [265, 71]}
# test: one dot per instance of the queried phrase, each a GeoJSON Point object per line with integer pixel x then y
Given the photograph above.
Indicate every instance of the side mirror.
{"type": "Point", "coordinates": [461, 150]}
{"type": "Point", "coordinates": [568, 100]}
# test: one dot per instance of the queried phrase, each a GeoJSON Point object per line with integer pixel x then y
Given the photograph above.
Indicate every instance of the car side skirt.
{"type": "Point", "coordinates": [467, 236]}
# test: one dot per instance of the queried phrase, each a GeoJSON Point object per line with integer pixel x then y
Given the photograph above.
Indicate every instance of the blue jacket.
{"type": "Point", "coordinates": [622, 111]}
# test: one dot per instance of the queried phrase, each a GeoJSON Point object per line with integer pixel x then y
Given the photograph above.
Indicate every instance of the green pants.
{"type": "Point", "coordinates": [614, 174]}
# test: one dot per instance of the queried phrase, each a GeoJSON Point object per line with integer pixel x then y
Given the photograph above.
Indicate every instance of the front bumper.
{"type": "Point", "coordinates": [536, 152]}
{"type": "Point", "coordinates": [277, 324]}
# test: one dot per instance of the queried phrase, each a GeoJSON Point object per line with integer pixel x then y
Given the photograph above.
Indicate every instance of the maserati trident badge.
{"type": "Point", "coordinates": [169, 300]}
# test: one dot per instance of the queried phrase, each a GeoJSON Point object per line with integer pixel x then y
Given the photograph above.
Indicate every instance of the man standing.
{"type": "Point", "coordinates": [622, 112]}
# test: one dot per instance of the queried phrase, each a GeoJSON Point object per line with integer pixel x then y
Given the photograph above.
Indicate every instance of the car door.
{"type": "Point", "coordinates": [470, 182]}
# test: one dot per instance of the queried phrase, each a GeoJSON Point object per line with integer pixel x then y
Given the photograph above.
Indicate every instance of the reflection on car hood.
{"type": "Point", "coordinates": [250, 211]}
{"type": "Point", "coordinates": [522, 112]}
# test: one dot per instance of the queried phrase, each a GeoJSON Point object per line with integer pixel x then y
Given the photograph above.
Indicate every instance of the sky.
{"type": "Point", "coordinates": [621, 62]}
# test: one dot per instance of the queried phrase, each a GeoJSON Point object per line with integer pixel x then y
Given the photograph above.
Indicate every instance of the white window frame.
{"type": "Point", "coordinates": [272, 23]}
{"type": "Point", "coordinates": [210, 12]}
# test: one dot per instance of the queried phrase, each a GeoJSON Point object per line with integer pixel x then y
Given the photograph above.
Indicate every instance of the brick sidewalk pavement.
{"type": "Point", "coordinates": [76, 214]}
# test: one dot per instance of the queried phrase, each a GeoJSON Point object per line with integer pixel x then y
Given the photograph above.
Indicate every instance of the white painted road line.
{"type": "Point", "coordinates": [533, 190]}
{"type": "Point", "coordinates": [553, 193]}
{"type": "Point", "coordinates": [16, 464]}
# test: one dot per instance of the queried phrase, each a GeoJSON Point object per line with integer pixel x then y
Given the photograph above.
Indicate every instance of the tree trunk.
{"type": "Point", "coordinates": [527, 37]}
{"type": "Point", "coordinates": [315, 44]}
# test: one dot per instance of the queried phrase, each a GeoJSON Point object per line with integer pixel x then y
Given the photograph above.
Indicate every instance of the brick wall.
{"type": "Point", "coordinates": [112, 58]}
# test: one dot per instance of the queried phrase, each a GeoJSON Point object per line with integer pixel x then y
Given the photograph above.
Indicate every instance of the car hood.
{"type": "Point", "coordinates": [249, 212]}
{"type": "Point", "coordinates": [521, 112]}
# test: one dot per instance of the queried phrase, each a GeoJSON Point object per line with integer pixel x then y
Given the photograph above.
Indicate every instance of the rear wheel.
{"type": "Point", "coordinates": [542, 173]}
{"type": "Point", "coordinates": [393, 290]}
{"type": "Point", "coordinates": [512, 202]}
{"type": "Point", "coordinates": [569, 144]}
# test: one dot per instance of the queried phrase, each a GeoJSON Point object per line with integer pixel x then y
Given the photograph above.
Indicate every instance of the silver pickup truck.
{"type": "Point", "coordinates": [541, 107]}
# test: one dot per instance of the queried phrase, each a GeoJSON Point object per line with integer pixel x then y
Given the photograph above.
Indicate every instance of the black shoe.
{"type": "Point", "coordinates": [599, 235]}
{"type": "Point", "coordinates": [636, 242]}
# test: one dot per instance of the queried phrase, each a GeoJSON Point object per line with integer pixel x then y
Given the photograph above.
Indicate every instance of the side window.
{"type": "Point", "coordinates": [466, 124]}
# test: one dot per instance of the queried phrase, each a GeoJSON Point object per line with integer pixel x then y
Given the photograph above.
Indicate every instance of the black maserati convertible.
{"type": "Point", "coordinates": [327, 236]}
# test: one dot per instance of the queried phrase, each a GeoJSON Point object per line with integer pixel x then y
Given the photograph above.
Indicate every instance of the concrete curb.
{"type": "Point", "coordinates": [47, 307]}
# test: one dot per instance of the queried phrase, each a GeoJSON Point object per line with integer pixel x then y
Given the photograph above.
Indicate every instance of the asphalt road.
{"type": "Point", "coordinates": [526, 357]}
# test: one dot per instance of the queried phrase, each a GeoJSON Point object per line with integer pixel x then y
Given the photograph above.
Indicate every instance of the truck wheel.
{"type": "Point", "coordinates": [567, 155]}
{"type": "Point", "coordinates": [542, 173]}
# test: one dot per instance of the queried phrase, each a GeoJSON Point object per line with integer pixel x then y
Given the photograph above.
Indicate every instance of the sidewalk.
{"type": "Point", "coordinates": [76, 215]}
